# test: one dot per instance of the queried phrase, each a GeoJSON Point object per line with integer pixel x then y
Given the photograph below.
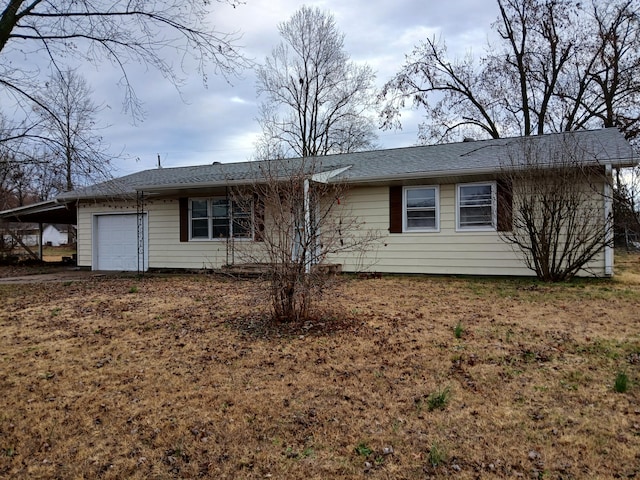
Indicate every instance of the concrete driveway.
{"type": "Point", "coordinates": [36, 275]}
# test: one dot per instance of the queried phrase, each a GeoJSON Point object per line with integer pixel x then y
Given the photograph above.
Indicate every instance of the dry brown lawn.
{"type": "Point", "coordinates": [180, 377]}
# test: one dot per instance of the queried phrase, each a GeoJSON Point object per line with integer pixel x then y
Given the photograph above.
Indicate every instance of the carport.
{"type": "Point", "coordinates": [50, 211]}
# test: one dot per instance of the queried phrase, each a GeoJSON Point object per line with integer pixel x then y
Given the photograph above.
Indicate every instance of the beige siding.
{"type": "Point", "coordinates": [86, 213]}
{"type": "Point", "coordinates": [444, 252]}
{"type": "Point", "coordinates": [84, 234]}
{"type": "Point", "coordinates": [165, 248]}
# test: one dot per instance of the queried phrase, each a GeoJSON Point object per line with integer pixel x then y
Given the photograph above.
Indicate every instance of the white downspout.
{"type": "Point", "coordinates": [608, 213]}
{"type": "Point", "coordinates": [307, 227]}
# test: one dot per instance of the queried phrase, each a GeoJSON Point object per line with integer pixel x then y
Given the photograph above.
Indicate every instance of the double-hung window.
{"type": "Point", "coordinates": [421, 205]}
{"type": "Point", "coordinates": [220, 218]}
{"type": "Point", "coordinates": [200, 219]}
{"type": "Point", "coordinates": [476, 206]}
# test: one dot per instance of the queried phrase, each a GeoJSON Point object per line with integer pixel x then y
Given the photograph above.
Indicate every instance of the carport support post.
{"type": "Point", "coordinates": [140, 232]}
{"type": "Point", "coordinates": [40, 236]}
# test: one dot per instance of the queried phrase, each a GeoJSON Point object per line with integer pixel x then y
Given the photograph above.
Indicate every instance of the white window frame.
{"type": "Point", "coordinates": [210, 217]}
{"type": "Point", "coordinates": [207, 218]}
{"type": "Point", "coordinates": [405, 227]}
{"type": "Point", "coordinates": [494, 208]}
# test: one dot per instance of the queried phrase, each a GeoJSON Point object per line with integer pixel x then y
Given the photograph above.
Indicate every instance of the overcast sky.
{"type": "Point", "coordinates": [202, 124]}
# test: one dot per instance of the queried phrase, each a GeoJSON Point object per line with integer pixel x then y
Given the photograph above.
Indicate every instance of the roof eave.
{"type": "Point", "coordinates": [422, 174]}
{"type": "Point", "coordinates": [164, 188]}
{"type": "Point", "coordinates": [99, 196]}
{"type": "Point", "coordinates": [615, 163]}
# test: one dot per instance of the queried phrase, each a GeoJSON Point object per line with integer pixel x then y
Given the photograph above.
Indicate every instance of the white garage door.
{"type": "Point", "coordinates": [116, 243]}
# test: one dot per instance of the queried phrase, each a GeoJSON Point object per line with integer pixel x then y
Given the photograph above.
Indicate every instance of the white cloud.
{"type": "Point", "coordinates": [218, 123]}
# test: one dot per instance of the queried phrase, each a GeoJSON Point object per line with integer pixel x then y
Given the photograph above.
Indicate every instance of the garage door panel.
{"type": "Point", "coordinates": [116, 242]}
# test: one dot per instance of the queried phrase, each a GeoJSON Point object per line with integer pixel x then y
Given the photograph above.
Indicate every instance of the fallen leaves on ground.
{"type": "Point", "coordinates": [185, 376]}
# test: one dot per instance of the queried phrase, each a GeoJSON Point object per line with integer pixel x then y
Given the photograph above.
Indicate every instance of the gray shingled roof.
{"type": "Point", "coordinates": [605, 146]}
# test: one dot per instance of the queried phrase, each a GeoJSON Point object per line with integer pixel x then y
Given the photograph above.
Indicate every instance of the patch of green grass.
{"type": "Point", "coordinates": [477, 288]}
{"type": "Point", "coordinates": [55, 312]}
{"type": "Point", "coordinates": [363, 449]}
{"type": "Point", "coordinates": [568, 385]}
{"type": "Point", "coordinates": [621, 384]}
{"type": "Point", "coordinates": [133, 289]}
{"type": "Point", "coordinates": [532, 290]}
{"type": "Point", "coordinates": [458, 330]}
{"type": "Point", "coordinates": [507, 337]}
{"type": "Point", "coordinates": [437, 455]}
{"type": "Point", "coordinates": [600, 347]}
{"type": "Point", "coordinates": [396, 426]}
{"type": "Point", "coordinates": [439, 399]}
{"type": "Point", "coordinates": [574, 379]}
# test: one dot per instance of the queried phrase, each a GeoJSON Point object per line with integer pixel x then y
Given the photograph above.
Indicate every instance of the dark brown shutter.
{"type": "Point", "coordinates": [184, 219]}
{"type": "Point", "coordinates": [505, 206]}
{"type": "Point", "coordinates": [395, 209]}
{"type": "Point", "coordinates": [258, 218]}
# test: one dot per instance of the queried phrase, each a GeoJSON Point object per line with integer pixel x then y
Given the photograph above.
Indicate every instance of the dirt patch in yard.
{"type": "Point", "coordinates": [180, 377]}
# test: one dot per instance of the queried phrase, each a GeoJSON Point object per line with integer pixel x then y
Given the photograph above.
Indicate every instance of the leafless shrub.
{"type": "Point", "coordinates": [300, 222]}
{"type": "Point", "coordinates": [559, 213]}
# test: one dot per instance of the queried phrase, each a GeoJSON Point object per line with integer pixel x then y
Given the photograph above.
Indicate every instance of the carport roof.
{"type": "Point", "coordinates": [51, 211]}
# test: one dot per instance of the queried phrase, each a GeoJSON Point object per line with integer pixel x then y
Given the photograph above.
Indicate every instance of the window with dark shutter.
{"type": "Point", "coordinates": [421, 205]}
{"type": "Point", "coordinates": [215, 218]}
{"type": "Point", "coordinates": [476, 206]}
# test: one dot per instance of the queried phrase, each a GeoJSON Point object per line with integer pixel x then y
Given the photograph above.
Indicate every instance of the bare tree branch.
{"type": "Point", "coordinates": [316, 100]}
{"type": "Point", "coordinates": [302, 221]}
{"type": "Point", "coordinates": [559, 66]}
{"type": "Point", "coordinates": [122, 32]}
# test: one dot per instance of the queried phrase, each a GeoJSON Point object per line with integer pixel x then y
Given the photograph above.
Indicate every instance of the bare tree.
{"type": "Point", "coordinates": [566, 65]}
{"type": "Point", "coordinates": [454, 95]}
{"type": "Point", "coordinates": [24, 180]}
{"type": "Point", "coordinates": [317, 101]}
{"type": "Point", "coordinates": [72, 139]}
{"type": "Point", "coordinates": [120, 32]}
{"type": "Point", "coordinates": [7, 197]}
{"type": "Point", "coordinates": [613, 88]}
{"type": "Point", "coordinates": [301, 220]}
{"type": "Point", "coordinates": [559, 222]}
{"type": "Point", "coordinates": [19, 182]}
